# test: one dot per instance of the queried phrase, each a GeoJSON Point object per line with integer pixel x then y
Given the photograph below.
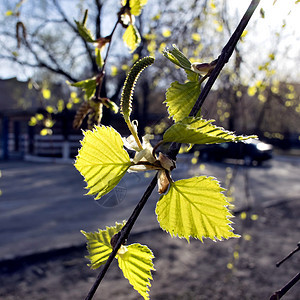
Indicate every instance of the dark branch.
{"type": "Point", "coordinates": [124, 233]}
{"type": "Point", "coordinates": [73, 27]}
{"type": "Point", "coordinates": [277, 295]}
{"type": "Point", "coordinates": [289, 255]}
{"type": "Point", "coordinates": [98, 19]}
{"type": "Point", "coordinates": [225, 55]}
{"type": "Point", "coordinates": [174, 148]}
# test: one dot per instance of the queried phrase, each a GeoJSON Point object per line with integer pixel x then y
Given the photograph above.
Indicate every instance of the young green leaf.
{"type": "Point", "coordinates": [137, 6]}
{"type": "Point", "coordinates": [199, 131]}
{"type": "Point", "coordinates": [102, 160]}
{"type": "Point", "coordinates": [99, 59]}
{"type": "Point", "coordinates": [88, 86]}
{"type": "Point", "coordinates": [177, 58]}
{"type": "Point", "coordinates": [180, 98]}
{"type": "Point", "coordinates": [98, 244]}
{"type": "Point", "coordinates": [84, 32]}
{"type": "Point", "coordinates": [130, 82]}
{"type": "Point", "coordinates": [131, 37]}
{"type": "Point", "coordinates": [195, 207]}
{"type": "Point", "coordinates": [136, 264]}
{"type": "Point", "coordinates": [192, 76]}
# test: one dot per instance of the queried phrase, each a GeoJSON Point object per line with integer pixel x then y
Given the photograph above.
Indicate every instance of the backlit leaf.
{"type": "Point", "coordinates": [84, 32]}
{"type": "Point", "coordinates": [98, 244]}
{"type": "Point", "coordinates": [136, 264]}
{"type": "Point", "coordinates": [131, 37]}
{"type": "Point", "coordinates": [177, 57]}
{"type": "Point", "coordinates": [99, 59]}
{"type": "Point", "coordinates": [88, 86]}
{"type": "Point", "coordinates": [180, 99]}
{"type": "Point", "coordinates": [46, 93]}
{"type": "Point", "coordinates": [9, 13]}
{"type": "Point", "coordinates": [195, 207]}
{"type": "Point", "coordinates": [137, 6]}
{"type": "Point", "coordinates": [102, 160]}
{"type": "Point", "coordinates": [192, 76]}
{"type": "Point", "coordinates": [200, 131]}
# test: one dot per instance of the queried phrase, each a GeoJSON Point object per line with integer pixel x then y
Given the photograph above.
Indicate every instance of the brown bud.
{"type": "Point", "coordinates": [81, 113]}
{"type": "Point", "coordinates": [114, 239]}
{"type": "Point", "coordinates": [204, 68]}
{"type": "Point", "coordinates": [163, 181]}
{"type": "Point", "coordinates": [101, 42]}
{"type": "Point", "coordinates": [166, 162]}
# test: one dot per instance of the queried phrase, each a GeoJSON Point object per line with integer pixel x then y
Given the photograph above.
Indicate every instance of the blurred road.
{"type": "Point", "coordinates": [43, 206]}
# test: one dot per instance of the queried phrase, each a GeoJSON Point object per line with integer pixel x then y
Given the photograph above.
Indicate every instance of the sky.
{"type": "Point", "coordinates": [263, 32]}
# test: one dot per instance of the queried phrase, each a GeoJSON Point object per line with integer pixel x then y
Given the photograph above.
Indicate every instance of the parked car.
{"type": "Point", "coordinates": [251, 151]}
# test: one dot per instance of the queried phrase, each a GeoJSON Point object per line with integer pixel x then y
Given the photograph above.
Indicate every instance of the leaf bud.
{"type": "Point", "coordinates": [163, 181]}
{"type": "Point", "coordinates": [203, 68]}
{"type": "Point", "coordinates": [166, 162]}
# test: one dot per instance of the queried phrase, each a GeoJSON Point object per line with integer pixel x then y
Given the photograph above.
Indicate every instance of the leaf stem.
{"type": "Point", "coordinates": [134, 133]}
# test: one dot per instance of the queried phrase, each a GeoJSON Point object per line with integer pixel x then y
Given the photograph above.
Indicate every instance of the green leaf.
{"type": "Point", "coordinates": [129, 84]}
{"type": "Point", "coordinates": [9, 13]}
{"type": "Point", "coordinates": [178, 58]}
{"type": "Point", "coordinates": [136, 264]}
{"type": "Point", "coordinates": [99, 59]}
{"type": "Point", "coordinates": [98, 244]}
{"type": "Point", "coordinates": [102, 160]}
{"type": "Point", "coordinates": [199, 131]}
{"type": "Point", "coordinates": [137, 6]}
{"type": "Point", "coordinates": [195, 207]}
{"type": "Point", "coordinates": [180, 98]}
{"type": "Point", "coordinates": [112, 106]}
{"type": "Point", "coordinates": [84, 32]}
{"type": "Point", "coordinates": [192, 76]}
{"type": "Point", "coordinates": [46, 93]}
{"type": "Point", "coordinates": [131, 37]}
{"type": "Point", "coordinates": [88, 86]}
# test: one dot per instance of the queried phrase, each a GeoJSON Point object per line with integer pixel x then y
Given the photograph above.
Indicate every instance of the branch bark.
{"type": "Point", "coordinates": [174, 148]}
{"type": "Point", "coordinates": [280, 293]}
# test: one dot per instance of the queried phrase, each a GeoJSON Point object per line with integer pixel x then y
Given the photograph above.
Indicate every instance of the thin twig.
{"type": "Point", "coordinates": [278, 294]}
{"type": "Point", "coordinates": [174, 147]}
{"type": "Point", "coordinates": [288, 256]}
{"type": "Point", "coordinates": [102, 71]}
{"type": "Point", "coordinates": [225, 55]}
{"type": "Point", "coordinates": [124, 233]}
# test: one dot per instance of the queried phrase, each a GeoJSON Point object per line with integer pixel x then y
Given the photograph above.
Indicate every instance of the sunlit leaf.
{"type": "Point", "coordinates": [166, 33]}
{"type": "Point", "coordinates": [252, 90]}
{"type": "Point", "coordinates": [136, 264]}
{"type": "Point", "coordinates": [99, 59]}
{"type": "Point", "coordinates": [102, 160]}
{"type": "Point", "coordinates": [112, 106]}
{"type": "Point", "coordinates": [200, 131]}
{"type": "Point", "coordinates": [177, 57]}
{"type": "Point", "coordinates": [192, 76]}
{"type": "Point", "coordinates": [137, 6]}
{"type": "Point", "coordinates": [88, 86]}
{"type": "Point", "coordinates": [131, 37]}
{"type": "Point", "coordinates": [9, 13]}
{"type": "Point", "coordinates": [98, 244]}
{"type": "Point", "coordinates": [84, 32]}
{"type": "Point", "coordinates": [195, 207]}
{"type": "Point", "coordinates": [180, 99]}
{"type": "Point", "coordinates": [46, 93]}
